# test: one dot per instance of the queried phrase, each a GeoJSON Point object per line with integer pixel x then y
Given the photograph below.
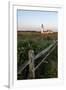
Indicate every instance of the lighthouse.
{"type": "Point", "coordinates": [42, 28]}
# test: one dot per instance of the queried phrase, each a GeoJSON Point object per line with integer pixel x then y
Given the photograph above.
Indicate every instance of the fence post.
{"type": "Point", "coordinates": [31, 65]}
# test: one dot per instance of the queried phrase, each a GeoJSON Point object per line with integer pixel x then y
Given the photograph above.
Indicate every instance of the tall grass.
{"type": "Point", "coordinates": [37, 42]}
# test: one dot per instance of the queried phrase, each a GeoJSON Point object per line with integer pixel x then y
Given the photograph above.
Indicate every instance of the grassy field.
{"type": "Point", "coordinates": [37, 42]}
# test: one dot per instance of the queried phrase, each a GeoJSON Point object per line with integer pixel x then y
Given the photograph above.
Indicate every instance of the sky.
{"type": "Point", "coordinates": [27, 19]}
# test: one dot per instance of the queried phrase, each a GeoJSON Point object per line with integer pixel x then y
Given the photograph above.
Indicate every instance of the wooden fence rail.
{"type": "Point", "coordinates": [23, 67]}
{"type": "Point", "coordinates": [45, 50]}
{"type": "Point", "coordinates": [45, 57]}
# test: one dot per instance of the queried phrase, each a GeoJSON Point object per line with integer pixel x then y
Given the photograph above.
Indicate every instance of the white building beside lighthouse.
{"type": "Point", "coordinates": [45, 30]}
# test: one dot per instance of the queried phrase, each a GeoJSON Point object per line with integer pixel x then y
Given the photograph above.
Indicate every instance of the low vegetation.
{"type": "Point", "coordinates": [37, 42]}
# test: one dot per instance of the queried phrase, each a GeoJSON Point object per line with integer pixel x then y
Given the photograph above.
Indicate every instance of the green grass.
{"type": "Point", "coordinates": [37, 42]}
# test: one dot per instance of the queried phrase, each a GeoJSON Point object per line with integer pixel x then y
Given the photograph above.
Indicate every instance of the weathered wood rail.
{"type": "Point", "coordinates": [33, 57]}
{"type": "Point", "coordinates": [45, 50]}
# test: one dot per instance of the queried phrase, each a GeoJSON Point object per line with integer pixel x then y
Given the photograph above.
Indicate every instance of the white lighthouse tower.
{"type": "Point", "coordinates": [42, 28]}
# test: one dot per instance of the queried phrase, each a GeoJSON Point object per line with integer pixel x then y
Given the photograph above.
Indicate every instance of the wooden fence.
{"type": "Point", "coordinates": [46, 52]}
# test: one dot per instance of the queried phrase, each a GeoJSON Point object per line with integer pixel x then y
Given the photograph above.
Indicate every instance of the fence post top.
{"type": "Point", "coordinates": [31, 50]}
